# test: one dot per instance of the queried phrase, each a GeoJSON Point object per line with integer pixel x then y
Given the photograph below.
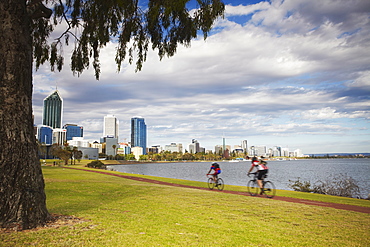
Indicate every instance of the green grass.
{"type": "Point", "coordinates": [123, 212]}
{"type": "Point", "coordinates": [284, 193]}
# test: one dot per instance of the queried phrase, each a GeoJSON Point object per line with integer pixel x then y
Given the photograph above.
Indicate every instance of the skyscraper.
{"type": "Point", "coordinates": [138, 133]}
{"type": "Point", "coordinates": [53, 110]}
{"type": "Point", "coordinates": [111, 126]}
{"type": "Point", "coordinates": [245, 146]}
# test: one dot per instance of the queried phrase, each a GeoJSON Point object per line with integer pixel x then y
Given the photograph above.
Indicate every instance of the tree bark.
{"type": "Point", "coordinates": [22, 195]}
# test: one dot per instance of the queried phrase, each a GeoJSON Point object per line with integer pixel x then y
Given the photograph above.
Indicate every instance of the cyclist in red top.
{"type": "Point", "coordinates": [217, 170]}
{"type": "Point", "coordinates": [262, 170]}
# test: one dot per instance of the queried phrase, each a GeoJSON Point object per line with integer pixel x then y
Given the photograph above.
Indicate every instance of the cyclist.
{"type": "Point", "coordinates": [262, 170]}
{"type": "Point", "coordinates": [217, 170]}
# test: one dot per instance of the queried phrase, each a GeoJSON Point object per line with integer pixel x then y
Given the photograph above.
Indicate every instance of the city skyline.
{"type": "Point", "coordinates": [289, 73]}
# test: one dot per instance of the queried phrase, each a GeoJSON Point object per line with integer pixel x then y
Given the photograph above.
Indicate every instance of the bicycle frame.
{"type": "Point", "coordinates": [269, 191]}
{"type": "Point", "coordinates": [215, 182]}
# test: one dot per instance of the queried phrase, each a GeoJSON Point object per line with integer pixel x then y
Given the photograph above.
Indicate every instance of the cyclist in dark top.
{"type": "Point", "coordinates": [262, 170]}
{"type": "Point", "coordinates": [217, 170]}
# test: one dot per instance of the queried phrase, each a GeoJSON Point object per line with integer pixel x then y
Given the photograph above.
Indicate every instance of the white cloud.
{"type": "Point", "coordinates": [296, 68]}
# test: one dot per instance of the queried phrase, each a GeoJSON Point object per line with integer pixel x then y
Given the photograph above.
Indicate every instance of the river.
{"type": "Point", "coordinates": [280, 172]}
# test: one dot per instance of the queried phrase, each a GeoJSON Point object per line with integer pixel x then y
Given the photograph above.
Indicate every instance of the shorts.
{"type": "Point", "coordinates": [261, 174]}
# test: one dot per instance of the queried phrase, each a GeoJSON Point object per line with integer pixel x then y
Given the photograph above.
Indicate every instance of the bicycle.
{"type": "Point", "coordinates": [212, 184]}
{"type": "Point", "coordinates": [268, 190]}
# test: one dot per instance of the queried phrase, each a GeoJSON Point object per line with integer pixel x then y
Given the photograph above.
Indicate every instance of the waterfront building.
{"type": "Point", "coordinates": [124, 148]}
{"type": "Point", "coordinates": [218, 149]}
{"type": "Point", "coordinates": [276, 151]}
{"type": "Point", "coordinates": [111, 126]}
{"type": "Point", "coordinates": [53, 110]}
{"type": "Point", "coordinates": [138, 133]}
{"type": "Point", "coordinates": [73, 130]}
{"type": "Point", "coordinates": [285, 152]}
{"type": "Point", "coordinates": [245, 146]}
{"type": "Point", "coordinates": [137, 151]}
{"type": "Point", "coordinates": [173, 147]}
{"type": "Point", "coordinates": [194, 147]}
{"type": "Point", "coordinates": [155, 149]}
{"type": "Point", "coordinates": [298, 153]}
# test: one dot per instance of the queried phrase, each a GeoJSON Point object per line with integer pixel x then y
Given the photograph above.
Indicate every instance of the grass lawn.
{"type": "Point", "coordinates": [121, 212]}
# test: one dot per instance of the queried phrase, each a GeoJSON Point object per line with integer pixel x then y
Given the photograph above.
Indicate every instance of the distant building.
{"type": "Point", "coordinates": [137, 151]}
{"type": "Point", "coordinates": [194, 147]}
{"type": "Point", "coordinates": [97, 145]}
{"type": "Point", "coordinates": [298, 153]}
{"type": "Point", "coordinates": [78, 142]}
{"type": "Point", "coordinates": [173, 147]}
{"type": "Point", "coordinates": [110, 145]}
{"type": "Point", "coordinates": [218, 149]}
{"type": "Point", "coordinates": [53, 110]}
{"type": "Point", "coordinates": [155, 149]}
{"type": "Point", "coordinates": [138, 133]}
{"type": "Point", "coordinates": [89, 153]}
{"type": "Point", "coordinates": [45, 134]}
{"type": "Point", "coordinates": [124, 148]}
{"type": "Point", "coordinates": [59, 136]}
{"type": "Point", "coordinates": [73, 130]}
{"type": "Point", "coordinates": [245, 146]}
{"type": "Point", "coordinates": [275, 151]}
{"type": "Point", "coordinates": [111, 126]}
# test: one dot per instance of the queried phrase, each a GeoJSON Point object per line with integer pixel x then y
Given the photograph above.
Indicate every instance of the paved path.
{"type": "Point", "coordinates": [279, 198]}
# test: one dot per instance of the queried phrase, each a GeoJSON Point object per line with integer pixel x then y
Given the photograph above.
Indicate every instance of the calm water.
{"type": "Point", "coordinates": [234, 173]}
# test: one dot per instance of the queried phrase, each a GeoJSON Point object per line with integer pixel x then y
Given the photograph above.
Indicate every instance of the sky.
{"type": "Point", "coordinates": [293, 73]}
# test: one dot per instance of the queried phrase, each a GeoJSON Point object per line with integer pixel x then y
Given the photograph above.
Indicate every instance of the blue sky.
{"type": "Point", "coordinates": [293, 73]}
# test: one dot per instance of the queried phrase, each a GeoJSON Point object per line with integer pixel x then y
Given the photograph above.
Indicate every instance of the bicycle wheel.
{"type": "Point", "coordinates": [269, 189]}
{"type": "Point", "coordinates": [220, 184]}
{"type": "Point", "coordinates": [253, 187]}
{"type": "Point", "coordinates": [211, 184]}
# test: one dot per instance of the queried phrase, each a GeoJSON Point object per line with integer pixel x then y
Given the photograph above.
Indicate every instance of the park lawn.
{"type": "Point", "coordinates": [122, 212]}
{"type": "Point", "coordinates": [284, 193]}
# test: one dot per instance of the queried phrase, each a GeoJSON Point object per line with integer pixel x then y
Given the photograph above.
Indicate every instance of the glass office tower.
{"type": "Point", "coordinates": [73, 130]}
{"type": "Point", "coordinates": [138, 133]}
{"type": "Point", "coordinates": [53, 109]}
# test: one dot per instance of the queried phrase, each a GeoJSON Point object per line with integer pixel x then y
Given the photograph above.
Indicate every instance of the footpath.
{"type": "Point", "coordinates": [280, 198]}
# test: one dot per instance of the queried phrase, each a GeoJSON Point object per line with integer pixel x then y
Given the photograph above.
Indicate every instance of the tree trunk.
{"type": "Point", "coordinates": [22, 195]}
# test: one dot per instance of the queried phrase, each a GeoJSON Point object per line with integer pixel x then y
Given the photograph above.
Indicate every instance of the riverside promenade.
{"type": "Point", "coordinates": [280, 198]}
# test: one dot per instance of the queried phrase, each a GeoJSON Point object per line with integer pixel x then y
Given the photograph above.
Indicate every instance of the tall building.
{"type": "Point", "coordinates": [245, 146]}
{"type": "Point", "coordinates": [111, 126]}
{"type": "Point", "coordinates": [73, 130]}
{"type": "Point", "coordinates": [53, 110]}
{"type": "Point", "coordinates": [138, 133]}
{"type": "Point", "coordinates": [194, 147]}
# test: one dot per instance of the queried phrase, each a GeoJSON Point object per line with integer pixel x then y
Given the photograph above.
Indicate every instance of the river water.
{"type": "Point", "coordinates": [280, 172]}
